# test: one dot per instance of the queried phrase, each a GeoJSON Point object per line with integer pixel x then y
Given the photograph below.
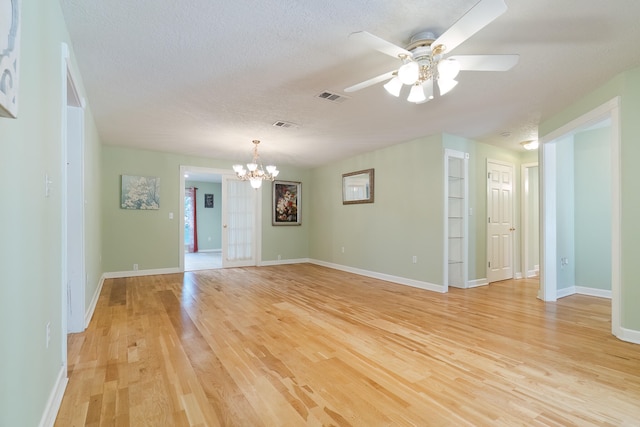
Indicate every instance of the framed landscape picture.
{"type": "Point", "coordinates": [286, 203]}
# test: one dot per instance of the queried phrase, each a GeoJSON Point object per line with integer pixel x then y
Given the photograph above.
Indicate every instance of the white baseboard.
{"type": "Point", "coordinates": [533, 273]}
{"type": "Point", "coordinates": [120, 274]}
{"type": "Point", "coordinates": [284, 262]}
{"type": "Point", "coordinates": [477, 282]}
{"type": "Point", "coordinates": [381, 276]}
{"type": "Point", "coordinates": [565, 292]}
{"type": "Point", "coordinates": [209, 250]}
{"type": "Point", "coordinates": [55, 399]}
{"type": "Point", "coordinates": [629, 335]}
{"type": "Point", "coordinates": [518, 276]}
{"type": "Point", "coordinates": [602, 293]}
{"type": "Point", "coordinates": [582, 290]}
{"type": "Point", "coordinates": [94, 301]}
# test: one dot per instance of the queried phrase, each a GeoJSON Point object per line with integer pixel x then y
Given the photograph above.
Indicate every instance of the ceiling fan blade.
{"type": "Point", "coordinates": [370, 82]}
{"type": "Point", "coordinates": [479, 16]}
{"type": "Point", "coordinates": [486, 62]}
{"type": "Point", "coordinates": [379, 44]}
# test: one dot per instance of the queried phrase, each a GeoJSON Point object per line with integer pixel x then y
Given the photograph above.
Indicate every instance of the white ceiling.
{"type": "Point", "coordinates": [204, 77]}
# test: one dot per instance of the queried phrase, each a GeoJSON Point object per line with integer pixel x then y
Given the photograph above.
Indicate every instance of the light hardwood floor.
{"type": "Point", "coordinates": [303, 345]}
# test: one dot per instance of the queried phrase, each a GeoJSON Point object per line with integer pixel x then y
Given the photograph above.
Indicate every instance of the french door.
{"type": "Point", "coordinates": [240, 223]}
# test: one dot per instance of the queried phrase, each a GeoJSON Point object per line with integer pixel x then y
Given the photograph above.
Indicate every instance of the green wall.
{"type": "Point", "coordinates": [406, 218]}
{"type": "Point", "coordinates": [593, 208]}
{"type": "Point", "coordinates": [565, 213]}
{"type": "Point", "coordinates": [31, 224]}
{"type": "Point", "coordinates": [150, 238]}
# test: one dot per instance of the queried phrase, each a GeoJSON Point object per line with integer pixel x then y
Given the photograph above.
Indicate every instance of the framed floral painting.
{"type": "Point", "coordinates": [9, 57]}
{"type": "Point", "coordinates": [286, 203]}
{"type": "Point", "coordinates": [140, 192]}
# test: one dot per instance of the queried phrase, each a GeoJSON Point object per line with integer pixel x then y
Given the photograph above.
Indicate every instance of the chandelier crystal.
{"type": "Point", "coordinates": [421, 71]}
{"type": "Point", "coordinates": [255, 172]}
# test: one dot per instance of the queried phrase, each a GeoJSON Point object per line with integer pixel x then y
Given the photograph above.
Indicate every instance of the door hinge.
{"type": "Point", "coordinates": [489, 264]}
{"type": "Point", "coordinates": [489, 220]}
{"type": "Point", "coordinates": [488, 175]}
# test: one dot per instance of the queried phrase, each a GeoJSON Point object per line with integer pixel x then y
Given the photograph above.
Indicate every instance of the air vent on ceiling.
{"type": "Point", "coordinates": [334, 97]}
{"type": "Point", "coordinates": [283, 124]}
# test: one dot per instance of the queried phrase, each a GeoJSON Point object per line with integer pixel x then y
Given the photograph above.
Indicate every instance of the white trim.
{"type": "Point", "coordinates": [565, 292]}
{"type": "Point", "coordinates": [518, 275]}
{"type": "Point", "coordinates": [548, 232]}
{"type": "Point", "coordinates": [138, 273]}
{"type": "Point", "coordinates": [524, 213]}
{"type": "Point", "coordinates": [616, 221]}
{"type": "Point", "coordinates": [55, 398]}
{"type": "Point", "coordinates": [478, 282]}
{"type": "Point", "coordinates": [629, 335]}
{"type": "Point", "coordinates": [582, 290]}
{"type": "Point", "coordinates": [94, 301]}
{"type": "Point", "coordinates": [593, 292]}
{"type": "Point", "coordinates": [284, 262]}
{"type": "Point", "coordinates": [381, 276]}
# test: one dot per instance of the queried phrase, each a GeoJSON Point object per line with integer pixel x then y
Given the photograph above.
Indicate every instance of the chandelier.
{"type": "Point", "coordinates": [255, 173]}
{"type": "Point", "coordinates": [421, 71]}
{"type": "Point", "coordinates": [530, 145]}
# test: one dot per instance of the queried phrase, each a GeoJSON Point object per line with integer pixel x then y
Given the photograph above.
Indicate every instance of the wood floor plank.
{"type": "Point", "coordinates": [301, 344]}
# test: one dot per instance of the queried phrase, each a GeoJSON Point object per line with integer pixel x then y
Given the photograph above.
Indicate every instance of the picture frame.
{"type": "Point", "coordinates": [140, 192]}
{"type": "Point", "coordinates": [358, 187]}
{"type": "Point", "coordinates": [287, 205]}
{"type": "Point", "coordinates": [9, 57]}
{"type": "Point", "coordinates": [208, 200]}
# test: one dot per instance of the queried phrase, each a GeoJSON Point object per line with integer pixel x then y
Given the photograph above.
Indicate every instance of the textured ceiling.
{"type": "Point", "coordinates": [204, 77]}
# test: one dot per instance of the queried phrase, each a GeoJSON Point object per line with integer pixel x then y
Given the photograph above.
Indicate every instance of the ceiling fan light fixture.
{"type": "Point", "coordinates": [445, 86]}
{"type": "Point", "coordinates": [393, 86]}
{"type": "Point", "coordinates": [409, 73]}
{"type": "Point", "coordinates": [448, 69]}
{"type": "Point", "coordinates": [417, 94]}
{"type": "Point", "coordinates": [427, 87]}
{"type": "Point", "coordinates": [530, 145]}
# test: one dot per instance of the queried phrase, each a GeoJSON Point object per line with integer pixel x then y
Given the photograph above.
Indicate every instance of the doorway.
{"type": "Point", "coordinates": [560, 252]}
{"type": "Point", "coordinates": [530, 208]}
{"type": "Point", "coordinates": [228, 219]}
{"type": "Point", "coordinates": [73, 198]}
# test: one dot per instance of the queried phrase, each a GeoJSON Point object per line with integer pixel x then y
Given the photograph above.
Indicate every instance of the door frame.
{"type": "Point", "coordinates": [526, 209]}
{"type": "Point", "coordinates": [548, 184]}
{"type": "Point", "coordinates": [514, 195]}
{"type": "Point", "coordinates": [185, 169]}
{"type": "Point", "coordinates": [72, 193]}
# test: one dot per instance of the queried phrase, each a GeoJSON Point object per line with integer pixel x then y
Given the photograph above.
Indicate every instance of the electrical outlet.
{"type": "Point", "coordinates": [135, 267]}
{"type": "Point", "coordinates": [279, 257]}
{"type": "Point", "coordinates": [342, 249]}
{"type": "Point", "coordinates": [414, 259]}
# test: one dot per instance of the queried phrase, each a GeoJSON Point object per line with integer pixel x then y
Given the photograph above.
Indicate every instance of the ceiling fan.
{"type": "Point", "coordinates": [425, 61]}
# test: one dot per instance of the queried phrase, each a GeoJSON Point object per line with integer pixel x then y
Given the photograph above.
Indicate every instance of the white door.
{"type": "Point", "coordinates": [499, 221]}
{"type": "Point", "coordinates": [239, 223]}
{"type": "Point", "coordinates": [75, 221]}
